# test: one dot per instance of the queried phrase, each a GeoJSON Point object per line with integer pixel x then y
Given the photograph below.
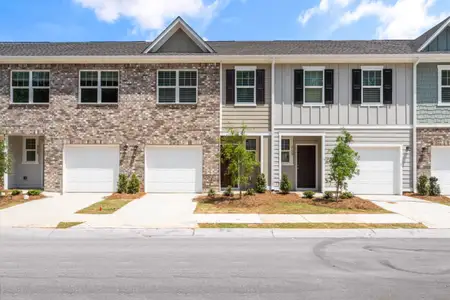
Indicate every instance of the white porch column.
{"type": "Point", "coordinates": [5, 175]}
{"type": "Point", "coordinates": [261, 153]}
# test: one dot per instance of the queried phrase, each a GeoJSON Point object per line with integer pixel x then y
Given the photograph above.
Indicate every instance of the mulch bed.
{"type": "Point", "coordinates": [125, 196]}
{"type": "Point", "coordinates": [439, 199]}
{"type": "Point", "coordinates": [351, 203]}
{"type": "Point", "coordinates": [18, 199]}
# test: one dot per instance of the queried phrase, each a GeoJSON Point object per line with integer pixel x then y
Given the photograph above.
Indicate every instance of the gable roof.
{"type": "Point", "coordinates": [177, 24]}
{"type": "Point", "coordinates": [425, 39]}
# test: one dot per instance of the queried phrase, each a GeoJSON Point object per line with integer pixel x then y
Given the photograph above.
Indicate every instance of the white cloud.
{"type": "Point", "coordinates": [396, 19]}
{"type": "Point", "coordinates": [151, 15]}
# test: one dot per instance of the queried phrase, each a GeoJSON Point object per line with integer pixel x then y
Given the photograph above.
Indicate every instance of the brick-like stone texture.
{"type": "Point", "coordinates": [427, 137]}
{"type": "Point", "coordinates": [136, 121]}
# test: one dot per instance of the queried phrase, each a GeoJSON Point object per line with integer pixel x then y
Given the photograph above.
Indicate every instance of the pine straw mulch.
{"type": "Point", "coordinates": [438, 199]}
{"type": "Point", "coordinates": [9, 201]}
{"type": "Point", "coordinates": [275, 203]}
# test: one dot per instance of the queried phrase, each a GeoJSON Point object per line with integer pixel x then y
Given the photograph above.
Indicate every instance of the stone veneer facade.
{"type": "Point", "coordinates": [136, 121]}
{"type": "Point", "coordinates": [427, 137]}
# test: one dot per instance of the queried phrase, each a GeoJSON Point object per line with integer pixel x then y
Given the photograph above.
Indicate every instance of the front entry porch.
{"type": "Point", "coordinates": [302, 162]}
{"type": "Point", "coordinates": [27, 171]}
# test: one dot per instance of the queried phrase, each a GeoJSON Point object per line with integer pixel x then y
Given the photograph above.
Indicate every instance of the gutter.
{"type": "Point", "coordinates": [414, 122]}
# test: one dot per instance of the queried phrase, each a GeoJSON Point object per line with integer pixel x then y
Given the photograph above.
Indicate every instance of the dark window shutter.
{"type": "Point", "coordinates": [329, 85]}
{"type": "Point", "coordinates": [387, 86]}
{"type": "Point", "coordinates": [298, 86]}
{"type": "Point", "coordinates": [356, 86]}
{"type": "Point", "coordinates": [260, 84]}
{"type": "Point", "coordinates": [230, 84]}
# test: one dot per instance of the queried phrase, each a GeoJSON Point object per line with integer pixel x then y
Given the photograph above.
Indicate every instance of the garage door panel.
{"type": "Point", "coordinates": [172, 187]}
{"type": "Point", "coordinates": [175, 175]}
{"type": "Point", "coordinates": [440, 167]}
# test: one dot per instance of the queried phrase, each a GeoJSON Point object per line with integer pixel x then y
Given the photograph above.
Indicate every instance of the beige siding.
{"type": "Point", "coordinates": [257, 118]}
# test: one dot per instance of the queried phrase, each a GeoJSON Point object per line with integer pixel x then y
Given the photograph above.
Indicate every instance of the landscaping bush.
{"type": "Point", "coordinates": [308, 194]}
{"type": "Point", "coordinates": [423, 186]}
{"type": "Point", "coordinates": [16, 192]}
{"type": "Point", "coordinates": [346, 195]}
{"type": "Point", "coordinates": [228, 192]}
{"type": "Point", "coordinates": [435, 189]}
{"type": "Point", "coordinates": [122, 184]}
{"type": "Point", "coordinates": [328, 195]}
{"type": "Point", "coordinates": [261, 184]}
{"type": "Point", "coordinates": [250, 192]}
{"type": "Point", "coordinates": [34, 192]}
{"type": "Point", "coordinates": [211, 193]}
{"type": "Point", "coordinates": [134, 185]}
{"type": "Point", "coordinates": [285, 185]}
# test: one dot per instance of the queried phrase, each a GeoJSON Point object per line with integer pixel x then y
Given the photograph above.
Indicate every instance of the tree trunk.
{"type": "Point", "coordinates": [337, 192]}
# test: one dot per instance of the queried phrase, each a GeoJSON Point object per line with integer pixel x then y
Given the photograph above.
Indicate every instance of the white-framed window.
{"type": "Point", "coordinates": [30, 150]}
{"type": "Point", "coordinates": [177, 86]}
{"type": "Point", "coordinates": [245, 86]}
{"type": "Point", "coordinates": [99, 87]}
{"type": "Point", "coordinates": [372, 85]}
{"type": "Point", "coordinates": [286, 151]}
{"type": "Point", "coordinates": [444, 85]}
{"type": "Point", "coordinates": [313, 90]}
{"type": "Point", "coordinates": [30, 87]}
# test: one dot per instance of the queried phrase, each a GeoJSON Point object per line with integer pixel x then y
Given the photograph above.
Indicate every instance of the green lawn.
{"type": "Point", "coordinates": [312, 225]}
{"type": "Point", "coordinates": [107, 206]}
{"type": "Point", "coordinates": [65, 225]}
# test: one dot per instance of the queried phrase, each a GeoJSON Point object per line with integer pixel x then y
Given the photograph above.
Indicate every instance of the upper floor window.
{"type": "Point", "coordinates": [246, 85]}
{"type": "Point", "coordinates": [313, 85]}
{"type": "Point", "coordinates": [177, 86]}
{"type": "Point", "coordinates": [99, 87]}
{"type": "Point", "coordinates": [444, 85]}
{"type": "Point", "coordinates": [372, 85]}
{"type": "Point", "coordinates": [30, 87]}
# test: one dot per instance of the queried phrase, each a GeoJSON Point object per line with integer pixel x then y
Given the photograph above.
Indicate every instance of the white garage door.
{"type": "Point", "coordinates": [173, 169]}
{"type": "Point", "coordinates": [91, 168]}
{"type": "Point", "coordinates": [440, 167]}
{"type": "Point", "coordinates": [379, 171]}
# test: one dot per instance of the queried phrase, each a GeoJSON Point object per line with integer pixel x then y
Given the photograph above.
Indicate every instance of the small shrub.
{"type": "Point", "coordinates": [228, 192]}
{"type": "Point", "coordinates": [423, 186]}
{"type": "Point", "coordinates": [435, 189]}
{"type": "Point", "coordinates": [16, 192]}
{"type": "Point", "coordinates": [308, 194]}
{"type": "Point", "coordinates": [346, 195]}
{"type": "Point", "coordinates": [285, 185]}
{"type": "Point", "coordinates": [261, 184]}
{"type": "Point", "coordinates": [34, 192]}
{"type": "Point", "coordinates": [328, 195]}
{"type": "Point", "coordinates": [211, 193]}
{"type": "Point", "coordinates": [122, 184]}
{"type": "Point", "coordinates": [250, 192]}
{"type": "Point", "coordinates": [134, 185]}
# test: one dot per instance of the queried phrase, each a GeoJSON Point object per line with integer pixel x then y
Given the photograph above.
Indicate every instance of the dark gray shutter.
{"type": "Point", "coordinates": [230, 84]}
{"type": "Point", "coordinates": [260, 84]}
{"type": "Point", "coordinates": [329, 84]}
{"type": "Point", "coordinates": [387, 86]}
{"type": "Point", "coordinates": [356, 86]}
{"type": "Point", "coordinates": [298, 86]}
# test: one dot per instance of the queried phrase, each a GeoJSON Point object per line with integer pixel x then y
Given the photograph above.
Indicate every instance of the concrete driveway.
{"type": "Point", "coordinates": [432, 215]}
{"type": "Point", "coordinates": [47, 212]}
{"type": "Point", "coordinates": [151, 211]}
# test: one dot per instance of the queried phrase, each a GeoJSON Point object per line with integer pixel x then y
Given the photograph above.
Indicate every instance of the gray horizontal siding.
{"type": "Point", "coordinates": [428, 111]}
{"type": "Point", "coordinates": [360, 136]}
{"type": "Point", "coordinates": [256, 118]}
{"type": "Point", "coordinates": [441, 42]}
{"type": "Point", "coordinates": [342, 112]}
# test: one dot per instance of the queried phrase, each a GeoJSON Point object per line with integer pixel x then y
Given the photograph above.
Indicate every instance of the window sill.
{"type": "Point", "coordinates": [373, 105]}
{"type": "Point", "coordinates": [443, 104]}
{"type": "Point", "coordinates": [314, 104]}
{"type": "Point", "coordinates": [177, 103]}
{"type": "Point", "coordinates": [29, 105]}
{"type": "Point", "coordinates": [245, 104]}
{"type": "Point", "coordinates": [287, 164]}
{"type": "Point", "coordinates": [30, 163]}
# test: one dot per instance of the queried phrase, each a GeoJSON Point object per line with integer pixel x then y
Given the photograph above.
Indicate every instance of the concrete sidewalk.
{"type": "Point", "coordinates": [432, 215]}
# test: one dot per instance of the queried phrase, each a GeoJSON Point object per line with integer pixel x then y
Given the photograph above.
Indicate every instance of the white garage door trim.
{"type": "Point", "coordinates": [400, 159]}
{"type": "Point", "coordinates": [440, 173]}
{"type": "Point", "coordinates": [64, 158]}
{"type": "Point", "coordinates": [199, 178]}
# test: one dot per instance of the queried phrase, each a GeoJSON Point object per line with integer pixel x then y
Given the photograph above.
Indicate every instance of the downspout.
{"type": "Point", "coordinates": [414, 121]}
{"type": "Point", "coordinates": [272, 121]}
{"type": "Point", "coordinates": [220, 124]}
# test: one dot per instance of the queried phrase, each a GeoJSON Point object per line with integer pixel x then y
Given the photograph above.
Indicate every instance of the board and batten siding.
{"type": "Point", "coordinates": [257, 118]}
{"type": "Point", "coordinates": [343, 112]}
{"type": "Point", "coordinates": [428, 111]}
{"type": "Point", "coordinates": [440, 43]}
{"type": "Point", "coordinates": [361, 136]}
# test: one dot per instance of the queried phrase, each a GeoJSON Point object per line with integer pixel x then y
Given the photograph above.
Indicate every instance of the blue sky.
{"type": "Point", "coordinates": [98, 20]}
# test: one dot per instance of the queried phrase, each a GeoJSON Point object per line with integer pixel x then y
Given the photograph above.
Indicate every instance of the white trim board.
{"type": "Point", "coordinates": [226, 133]}
{"type": "Point", "coordinates": [307, 127]}
{"type": "Point", "coordinates": [433, 126]}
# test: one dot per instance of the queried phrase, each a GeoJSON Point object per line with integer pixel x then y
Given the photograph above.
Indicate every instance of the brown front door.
{"type": "Point", "coordinates": [306, 166]}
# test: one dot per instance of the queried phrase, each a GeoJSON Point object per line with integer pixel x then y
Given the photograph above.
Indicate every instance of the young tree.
{"type": "Point", "coordinates": [241, 163]}
{"type": "Point", "coordinates": [5, 159]}
{"type": "Point", "coordinates": [343, 163]}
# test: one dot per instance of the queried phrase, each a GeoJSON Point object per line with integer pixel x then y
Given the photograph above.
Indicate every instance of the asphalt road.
{"type": "Point", "coordinates": [224, 268]}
